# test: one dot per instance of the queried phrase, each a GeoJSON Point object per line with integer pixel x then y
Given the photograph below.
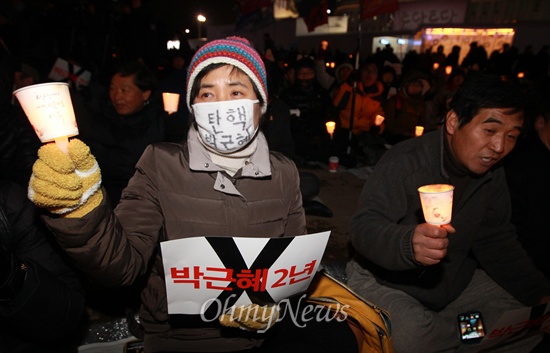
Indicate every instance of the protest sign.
{"type": "Point", "coordinates": [64, 71]}
{"type": "Point", "coordinates": [516, 323]}
{"type": "Point", "coordinates": [210, 274]}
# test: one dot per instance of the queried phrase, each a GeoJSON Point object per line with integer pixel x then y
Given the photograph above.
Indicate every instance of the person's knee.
{"type": "Point", "coordinates": [416, 329]}
{"type": "Point", "coordinates": [309, 185]}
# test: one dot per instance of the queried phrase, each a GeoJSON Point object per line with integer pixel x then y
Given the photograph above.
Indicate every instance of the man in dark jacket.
{"type": "Point", "coordinates": [528, 176]}
{"type": "Point", "coordinates": [41, 303]}
{"type": "Point", "coordinates": [125, 124]}
{"type": "Point", "coordinates": [426, 275]}
{"type": "Point", "coordinates": [311, 108]}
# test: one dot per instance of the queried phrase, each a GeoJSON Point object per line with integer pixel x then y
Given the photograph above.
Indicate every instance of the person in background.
{"type": "Point", "coordinates": [438, 106]}
{"type": "Point", "coordinates": [18, 141]}
{"type": "Point", "coordinates": [312, 108]}
{"type": "Point", "coordinates": [388, 77]}
{"type": "Point", "coordinates": [211, 185]}
{"type": "Point", "coordinates": [125, 123]}
{"type": "Point", "coordinates": [173, 81]}
{"type": "Point", "coordinates": [527, 173]}
{"type": "Point", "coordinates": [407, 109]}
{"type": "Point", "coordinates": [426, 275]}
{"type": "Point", "coordinates": [41, 298]}
{"type": "Point", "coordinates": [276, 128]}
{"type": "Point", "coordinates": [325, 79]}
{"type": "Point", "coordinates": [365, 99]}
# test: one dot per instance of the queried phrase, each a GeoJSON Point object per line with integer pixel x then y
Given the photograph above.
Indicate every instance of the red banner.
{"type": "Point", "coordinates": [371, 8]}
{"type": "Point", "coordinates": [248, 6]}
{"type": "Point", "coordinates": [317, 15]}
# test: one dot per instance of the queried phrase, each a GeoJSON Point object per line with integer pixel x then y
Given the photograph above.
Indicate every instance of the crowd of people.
{"type": "Point", "coordinates": [486, 131]}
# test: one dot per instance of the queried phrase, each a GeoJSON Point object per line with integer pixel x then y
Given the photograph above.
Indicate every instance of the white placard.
{"type": "Point", "coordinates": [216, 273]}
{"type": "Point", "coordinates": [519, 322]}
{"type": "Point", "coordinates": [63, 71]}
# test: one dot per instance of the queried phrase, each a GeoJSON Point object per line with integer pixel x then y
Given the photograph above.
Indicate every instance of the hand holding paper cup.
{"type": "Point", "coordinates": [49, 108]}
{"type": "Point", "coordinates": [171, 101]}
{"type": "Point", "coordinates": [437, 203]}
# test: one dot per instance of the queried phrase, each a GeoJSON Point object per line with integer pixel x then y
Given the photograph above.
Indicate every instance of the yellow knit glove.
{"type": "Point", "coordinates": [253, 317]}
{"type": "Point", "coordinates": [69, 186]}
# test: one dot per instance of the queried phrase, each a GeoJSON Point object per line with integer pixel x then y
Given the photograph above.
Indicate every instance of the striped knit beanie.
{"type": "Point", "coordinates": [235, 51]}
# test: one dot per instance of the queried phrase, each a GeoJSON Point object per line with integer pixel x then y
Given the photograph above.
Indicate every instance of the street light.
{"type": "Point", "coordinates": [200, 19]}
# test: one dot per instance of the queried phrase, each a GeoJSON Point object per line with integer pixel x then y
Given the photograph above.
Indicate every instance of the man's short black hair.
{"type": "Point", "coordinates": [484, 91]}
{"type": "Point", "coordinates": [145, 78]}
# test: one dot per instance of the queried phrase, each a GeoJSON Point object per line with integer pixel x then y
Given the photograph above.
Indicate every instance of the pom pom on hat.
{"type": "Point", "coordinates": [235, 51]}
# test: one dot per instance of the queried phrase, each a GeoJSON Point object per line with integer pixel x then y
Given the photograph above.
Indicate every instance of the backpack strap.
{"type": "Point", "coordinates": [370, 323]}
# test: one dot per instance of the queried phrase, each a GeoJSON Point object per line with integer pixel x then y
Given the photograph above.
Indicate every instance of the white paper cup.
{"type": "Point", "coordinates": [378, 120]}
{"type": "Point", "coordinates": [171, 101]}
{"type": "Point", "coordinates": [418, 131]}
{"type": "Point", "coordinates": [49, 108]}
{"type": "Point", "coordinates": [437, 203]}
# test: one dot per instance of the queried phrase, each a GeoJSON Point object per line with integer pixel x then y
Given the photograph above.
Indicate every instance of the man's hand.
{"type": "Point", "coordinates": [430, 243]}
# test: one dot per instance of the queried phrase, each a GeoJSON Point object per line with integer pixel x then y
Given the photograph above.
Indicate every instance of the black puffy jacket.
{"type": "Point", "coordinates": [46, 312]}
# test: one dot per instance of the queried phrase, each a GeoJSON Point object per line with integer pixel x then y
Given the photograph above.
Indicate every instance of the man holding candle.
{"type": "Point", "coordinates": [424, 274]}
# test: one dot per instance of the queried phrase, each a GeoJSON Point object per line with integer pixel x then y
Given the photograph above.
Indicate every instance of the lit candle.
{"type": "Point", "coordinates": [171, 101]}
{"type": "Point", "coordinates": [418, 130]}
{"type": "Point", "coordinates": [436, 66]}
{"type": "Point", "coordinates": [331, 126]}
{"type": "Point", "coordinates": [49, 108]}
{"type": "Point", "coordinates": [378, 120]}
{"type": "Point", "coordinates": [448, 70]}
{"type": "Point", "coordinates": [437, 203]}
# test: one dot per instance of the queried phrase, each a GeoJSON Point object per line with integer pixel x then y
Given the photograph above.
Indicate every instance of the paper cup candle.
{"type": "Point", "coordinates": [49, 108]}
{"type": "Point", "coordinates": [378, 120]}
{"type": "Point", "coordinates": [418, 131]}
{"type": "Point", "coordinates": [171, 101]}
{"type": "Point", "coordinates": [331, 125]}
{"type": "Point", "coordinates": [437, 203]}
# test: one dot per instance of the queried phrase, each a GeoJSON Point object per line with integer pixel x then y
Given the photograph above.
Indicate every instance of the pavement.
{"type": "Point", "coordinates": [340, 192]}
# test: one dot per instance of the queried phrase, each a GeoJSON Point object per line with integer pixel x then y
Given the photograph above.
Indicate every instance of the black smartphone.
{"type": "Point", "coordinates": [471, 327]}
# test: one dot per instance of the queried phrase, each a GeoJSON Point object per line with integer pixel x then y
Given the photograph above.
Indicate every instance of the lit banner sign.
{"type": "Point", "coordinates": [336, 24]}
{"type": "Point", "coordinates": [412, 15]}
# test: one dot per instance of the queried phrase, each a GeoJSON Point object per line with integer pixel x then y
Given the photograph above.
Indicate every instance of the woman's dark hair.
{"type": "Point", "coordinates": [486, 92]}
{"type": "Point", "coordinates": [145, 79]}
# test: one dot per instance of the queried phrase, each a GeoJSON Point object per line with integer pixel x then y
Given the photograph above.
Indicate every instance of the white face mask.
{"type": "Point", "coordinates": [226, 126]}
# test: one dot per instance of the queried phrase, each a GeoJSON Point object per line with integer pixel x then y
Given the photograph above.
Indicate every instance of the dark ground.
{"type": "Point", "coordinates": [340, 192]}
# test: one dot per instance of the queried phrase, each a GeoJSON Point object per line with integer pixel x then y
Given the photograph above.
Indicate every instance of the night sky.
{"type": "Point", "coordinates": [181, 14]}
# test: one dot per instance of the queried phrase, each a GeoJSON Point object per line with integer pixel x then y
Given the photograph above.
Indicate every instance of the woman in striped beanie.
{"type": "Point", "coordinates": [222, 182]}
